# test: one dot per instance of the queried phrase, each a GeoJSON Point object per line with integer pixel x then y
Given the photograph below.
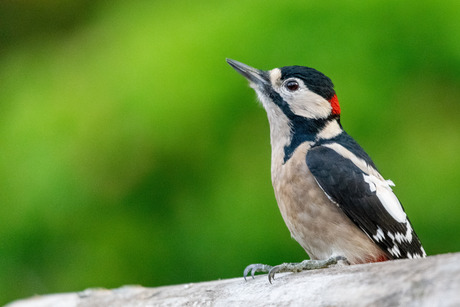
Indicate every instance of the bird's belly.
{"type": "Point", "coordinates": [314, 221]}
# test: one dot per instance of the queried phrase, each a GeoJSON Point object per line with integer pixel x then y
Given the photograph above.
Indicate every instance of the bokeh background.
{"type": "Point", "coordinates": [131, 153]}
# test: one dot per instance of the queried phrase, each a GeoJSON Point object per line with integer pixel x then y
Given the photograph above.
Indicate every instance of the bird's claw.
{"type": "Point", "coordinates": [257, 267]}
{"type": "Point", "coordinates": [273, 271]}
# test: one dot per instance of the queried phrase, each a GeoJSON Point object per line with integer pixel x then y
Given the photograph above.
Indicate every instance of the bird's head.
{"type": "Point", "coordinates": [296, 90]}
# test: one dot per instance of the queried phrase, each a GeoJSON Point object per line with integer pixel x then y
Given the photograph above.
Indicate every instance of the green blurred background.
{"type": "Point", "coordinates": [131, 153]}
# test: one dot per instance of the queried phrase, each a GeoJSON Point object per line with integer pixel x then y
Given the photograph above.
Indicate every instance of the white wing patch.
{"type": "Point", "coordinates": [360, 163]}
{"type": "Point", "coordinates": [386, 196]}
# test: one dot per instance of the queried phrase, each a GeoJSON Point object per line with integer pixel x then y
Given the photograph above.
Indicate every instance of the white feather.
{"type": "Point", "coordinates": [379, 236]}
{"type": "Point", "coordinates": [386, 197]}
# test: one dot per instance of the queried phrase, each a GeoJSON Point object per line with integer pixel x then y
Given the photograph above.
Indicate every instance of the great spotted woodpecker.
{"type": "Point", "coordinates": [332, 198]}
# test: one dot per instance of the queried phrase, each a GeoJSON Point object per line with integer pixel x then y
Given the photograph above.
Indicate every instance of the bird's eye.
{"type": "Point", "coordinates": [292, 85]}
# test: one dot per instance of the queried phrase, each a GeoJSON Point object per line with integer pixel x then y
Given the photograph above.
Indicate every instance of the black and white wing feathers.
{"type": "Point", "coordinates": [366, 199]}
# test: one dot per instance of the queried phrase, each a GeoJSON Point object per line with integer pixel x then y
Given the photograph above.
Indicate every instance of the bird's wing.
{"type": "Point", "coordinates": [367, 199]}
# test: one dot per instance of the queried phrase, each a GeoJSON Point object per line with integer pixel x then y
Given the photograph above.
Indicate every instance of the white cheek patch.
{"type": "Point", "coordinates": [308, 104]}
{"type": "Point", "coordinates": [386, 196]}
{"type": "Point", "coordinates": [302, 102]}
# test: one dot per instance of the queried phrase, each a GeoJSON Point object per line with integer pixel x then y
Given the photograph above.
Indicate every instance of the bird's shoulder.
{"type": "Point", "coordinates": [345, 141]}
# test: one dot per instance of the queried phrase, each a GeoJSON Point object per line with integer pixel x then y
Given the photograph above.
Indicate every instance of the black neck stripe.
{"type": "Point", "coordinates": [302, 129]}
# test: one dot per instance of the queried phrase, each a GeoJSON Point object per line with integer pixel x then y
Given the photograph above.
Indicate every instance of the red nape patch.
{"type": "Point", "coordinates": [335, 105]}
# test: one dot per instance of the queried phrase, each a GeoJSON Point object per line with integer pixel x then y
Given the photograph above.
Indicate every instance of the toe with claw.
{"type": "Point", "coordinates": [254, 268]}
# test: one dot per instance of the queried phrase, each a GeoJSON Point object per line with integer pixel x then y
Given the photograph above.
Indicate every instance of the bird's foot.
{"type": "Point", "coordinates": [257, 267]}
{"type": "Point", "coordinates": [304, 265]}
{"type": "Point", "coordinates": [292, 267]}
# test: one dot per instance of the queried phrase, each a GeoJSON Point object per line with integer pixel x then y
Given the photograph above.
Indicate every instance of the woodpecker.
{"type": "Point", "coordinates": [333, 199]}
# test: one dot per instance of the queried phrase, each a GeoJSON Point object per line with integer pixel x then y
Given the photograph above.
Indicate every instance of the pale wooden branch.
{"type": "Point", "coordinates": [433, 281]}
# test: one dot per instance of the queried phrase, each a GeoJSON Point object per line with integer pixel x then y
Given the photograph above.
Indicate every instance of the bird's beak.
{"type": "Point", "coordinates": [254, 75]}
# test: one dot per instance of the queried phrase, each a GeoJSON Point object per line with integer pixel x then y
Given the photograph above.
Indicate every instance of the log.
{"type": "Point", "coordinates": [432, 281]}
